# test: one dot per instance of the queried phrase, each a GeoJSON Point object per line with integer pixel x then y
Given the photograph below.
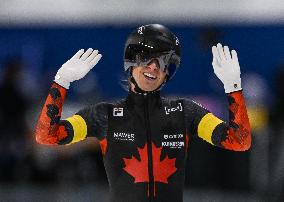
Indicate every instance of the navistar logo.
{"type": "Point", "coordinates": [124, 136]}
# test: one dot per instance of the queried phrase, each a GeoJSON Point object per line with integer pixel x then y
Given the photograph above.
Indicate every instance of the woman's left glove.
{"type": "Point", "coordinates": [226, 67]}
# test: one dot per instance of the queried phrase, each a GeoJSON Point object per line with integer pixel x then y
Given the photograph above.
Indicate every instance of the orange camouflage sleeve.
{"type": "Point", "coordinates": [234, 135]}
{"type": "Point", "coordinates": [50, 129]}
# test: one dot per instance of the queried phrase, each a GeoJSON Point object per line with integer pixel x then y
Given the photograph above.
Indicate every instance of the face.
{"type": "Point", "coordinates": [148, 77]}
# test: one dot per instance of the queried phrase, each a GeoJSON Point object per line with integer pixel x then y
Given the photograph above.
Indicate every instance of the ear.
{"type": "Point", "coordinates": [166, 79]}
{"type": "Point", "coordinates": [130, 77]}
{"type": "Point", "coordinates": [130, 70]}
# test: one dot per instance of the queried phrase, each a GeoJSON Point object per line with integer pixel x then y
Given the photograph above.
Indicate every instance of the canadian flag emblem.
{"type": "Point", "coordinates": [162, 169]}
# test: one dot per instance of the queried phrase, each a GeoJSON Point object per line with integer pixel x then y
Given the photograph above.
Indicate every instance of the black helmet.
{"type": "Point", "coordinates": [153, 41]}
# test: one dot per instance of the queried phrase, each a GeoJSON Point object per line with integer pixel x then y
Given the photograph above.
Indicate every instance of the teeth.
{"type": "Point", "coordinates": [150, 75]}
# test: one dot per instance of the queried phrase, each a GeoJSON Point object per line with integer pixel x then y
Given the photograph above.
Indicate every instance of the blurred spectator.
{"type": "Point", "coordinates": [276, 118]}
{"type": "Point", "coordinates": [208, 37]}
{"type": "Point", "coordinates": [220, 168]}
{"type": "Point", "coordinates": [256, 92]}
{"type": "Point", "coordinates": [276, 191]}
{"type": "Point", "coordinates": [13, 128]}
{"type": "Point", "coordinates": [23, 161]}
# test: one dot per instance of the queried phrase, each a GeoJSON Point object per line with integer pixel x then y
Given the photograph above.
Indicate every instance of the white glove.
{"type": "Point", "coordinates": [227, 68]}
{"type": "Point", "coordinates": [77, 67]}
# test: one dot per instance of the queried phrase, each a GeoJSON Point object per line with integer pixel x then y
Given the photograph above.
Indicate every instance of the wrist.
{"type": "Point", "coordinates": [233, 86]}
{"type": "Point", "coordinates": [61, 81]}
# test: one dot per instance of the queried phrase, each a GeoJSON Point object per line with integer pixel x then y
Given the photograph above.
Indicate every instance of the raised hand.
{"type": "Point", "coordinates": [226, 67]}
{"type": "Point", "coordinates": [77, 67]}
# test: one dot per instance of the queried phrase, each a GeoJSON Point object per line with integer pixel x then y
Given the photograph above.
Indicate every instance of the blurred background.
{"type": "Point", "coordinates": [37, 37]}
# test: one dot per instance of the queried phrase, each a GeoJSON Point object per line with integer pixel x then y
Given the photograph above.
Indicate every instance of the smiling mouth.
{"type": "Point", "coordinates": [149, 76]}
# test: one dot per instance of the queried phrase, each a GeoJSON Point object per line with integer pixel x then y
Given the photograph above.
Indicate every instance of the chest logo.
{"type": "Point", "coordinates": [173, 109]}
{"type": "Point", "coordinates": [162, 169]}
{"type": "Point", "coordinates": [124, 136]}
{"type": "Point", "coordinates": [117, 111]}
{"type": "Point", "coordinates": [174, 141]}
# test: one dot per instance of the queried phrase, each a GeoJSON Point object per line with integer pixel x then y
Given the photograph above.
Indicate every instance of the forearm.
{"type": "Point", "coordinates": [236, 135]}
{"type": "Point", "coordinates": [49, 129]}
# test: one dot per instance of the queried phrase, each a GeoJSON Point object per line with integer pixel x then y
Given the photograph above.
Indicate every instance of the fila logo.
{"type": "Point", "coordinates": [169, 110]}
{"type": "Point", "coordinates": [117, 111]}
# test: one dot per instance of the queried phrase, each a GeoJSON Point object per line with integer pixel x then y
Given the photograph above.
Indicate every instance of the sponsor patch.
{"type": "Point", "coordinates": [173, 145]}
{"type": "Point", "coordinates": [117, 111]}
{"type": "Point", "coordinates": [124, 136]}
{"type": "Point", "coordinates": [173, 109]}
{"type": "Point", "coordinates": [173, 141]}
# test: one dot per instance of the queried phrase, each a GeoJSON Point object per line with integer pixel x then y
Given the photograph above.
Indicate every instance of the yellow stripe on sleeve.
{"type": "Point", "coordinates": [79, 127]}
{"type": "Point", "coordinates": [207, 125]}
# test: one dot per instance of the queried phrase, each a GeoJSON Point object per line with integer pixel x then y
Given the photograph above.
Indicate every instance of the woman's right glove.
{"type": "Point", "coordinates": [77, 67]}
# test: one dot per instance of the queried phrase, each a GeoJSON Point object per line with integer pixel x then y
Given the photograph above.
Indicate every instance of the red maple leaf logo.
{"type": "Point", "coordinates": [162, 170]}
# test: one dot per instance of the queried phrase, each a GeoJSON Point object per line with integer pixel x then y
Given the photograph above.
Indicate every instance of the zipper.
{"type": "Point", "coordinates": [149, 148]}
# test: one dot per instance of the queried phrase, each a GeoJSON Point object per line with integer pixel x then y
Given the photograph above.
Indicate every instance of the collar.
{"type": "Point", "coordinates": [138, 99]}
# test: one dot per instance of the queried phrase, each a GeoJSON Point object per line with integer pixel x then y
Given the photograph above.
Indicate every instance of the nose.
{"type": "Point", "coordinates": [154, 64]}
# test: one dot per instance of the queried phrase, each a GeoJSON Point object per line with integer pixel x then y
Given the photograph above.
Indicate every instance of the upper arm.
{"type": "Point", "coordinates": [96, 120]}
{"type": "Point", "coordinates": [200, 121]}
{"type": "Point", "coordinates": [234, 135]}
{"type": "Point", "coordinates": [88, 122]}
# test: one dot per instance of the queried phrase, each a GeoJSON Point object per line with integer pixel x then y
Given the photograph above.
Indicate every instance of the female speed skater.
{"type": "Point", "coordinates": [144, 138]}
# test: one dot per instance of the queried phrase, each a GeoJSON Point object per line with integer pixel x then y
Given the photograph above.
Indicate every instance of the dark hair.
{"type": "Point", "coordinates": [125, 80]}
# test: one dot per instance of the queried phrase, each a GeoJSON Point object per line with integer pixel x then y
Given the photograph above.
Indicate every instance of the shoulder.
{"type": "Point", "coordinates": [171, 101]}
{"type": "Point", "coordinates": [184, 100]}
{"type": "Point", "coordinates": [104, 106]}
{"type": "Point", "coordinates": [187, 103]}
{"type": "Point", "coordinates": [193, 104]}
{"type": "Point", "coordinates": [101, 106]}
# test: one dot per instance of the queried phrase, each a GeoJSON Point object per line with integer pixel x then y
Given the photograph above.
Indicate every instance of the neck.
{"type": "Point", "coordinates": [136, 89]}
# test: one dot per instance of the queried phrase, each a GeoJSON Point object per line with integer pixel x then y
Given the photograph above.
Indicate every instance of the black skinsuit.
{"type": "Point", "coordinates": [144, 139]}
{"type": "Point", "coordinates": [138, 121]}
